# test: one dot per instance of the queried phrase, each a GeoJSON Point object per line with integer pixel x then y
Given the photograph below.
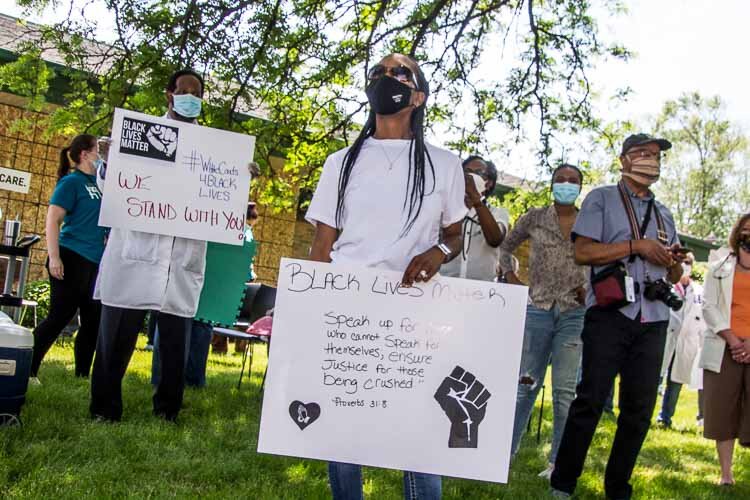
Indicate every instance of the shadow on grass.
{"type": "Point", "coordinates": [211, 452]}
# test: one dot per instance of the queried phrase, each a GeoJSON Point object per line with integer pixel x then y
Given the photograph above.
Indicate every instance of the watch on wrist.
{"type": "Point", "coordinates": [446, 251]}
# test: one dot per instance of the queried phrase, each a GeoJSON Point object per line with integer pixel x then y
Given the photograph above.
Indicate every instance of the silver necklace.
{"type": "Point", "coordinates": [390, 163]}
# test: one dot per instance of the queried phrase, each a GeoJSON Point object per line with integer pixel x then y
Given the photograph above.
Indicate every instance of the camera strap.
{"type": "Point", "coordinates": [640, 232]}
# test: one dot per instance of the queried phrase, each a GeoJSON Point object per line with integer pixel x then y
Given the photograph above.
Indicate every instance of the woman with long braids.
{"type": "Point", "coordinates": [74, 254]}
{"type": "Point", "coordinates": [390, 201]}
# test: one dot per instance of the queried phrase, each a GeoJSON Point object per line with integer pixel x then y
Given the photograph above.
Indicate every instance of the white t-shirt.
{"type": "Point", "coordinates": [374, 215]}
{"type": "Point", "coordinates": [478, 261]}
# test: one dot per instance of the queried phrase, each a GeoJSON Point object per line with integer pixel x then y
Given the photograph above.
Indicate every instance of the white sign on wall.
{"type": "Point", "coordinates": [175, 178]}
{"type": "Point", "coordinates": [15, 180]}
{"type": "Point", "coordinates": [365, 371]}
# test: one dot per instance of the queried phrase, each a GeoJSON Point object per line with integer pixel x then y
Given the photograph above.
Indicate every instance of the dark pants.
{"type": "Point", "coordinates": [670, 398]}
{"type": "Point", "coordinates": [117, 339]}
{"type": "Point", "coordinates": [612, 344]}
{"type": "Point", "coordinates": [68, 295]}
{"type": "Point", "coordinates": [196, 359]}
{"type": "Point", "coordinates": [151, 332]}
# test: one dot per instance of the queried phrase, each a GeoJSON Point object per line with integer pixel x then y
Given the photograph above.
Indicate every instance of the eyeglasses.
{"type": "Point", "coordinates": [645, 153]}
{"type": "Point", "coordinates": [401, 73]}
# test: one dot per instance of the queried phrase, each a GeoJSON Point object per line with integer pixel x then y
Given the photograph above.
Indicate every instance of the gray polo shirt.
{"type": "Point", "coordinates": [603, 218]}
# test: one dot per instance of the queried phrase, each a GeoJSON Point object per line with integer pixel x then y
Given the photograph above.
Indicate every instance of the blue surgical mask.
{"type": "Point", "coordinates": [186, 105]}
{"type": "Point", "coordinates": [565, 193]}
{"type": "Point", "coordinates": [98, 164]}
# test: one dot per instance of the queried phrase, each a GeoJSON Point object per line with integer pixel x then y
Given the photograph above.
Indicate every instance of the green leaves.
{"type": "Point", "coordinates": [701, 180]}
{"type": "Point", "coordinates": [28, 77]}
{"type": "Point", "coordinates": [291, 72]}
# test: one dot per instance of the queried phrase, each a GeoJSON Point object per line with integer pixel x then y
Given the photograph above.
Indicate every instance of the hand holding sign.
{"type": "Point", "coordinates": [464, 400]}
{"type": "Point", "coordinates": [162, 138]}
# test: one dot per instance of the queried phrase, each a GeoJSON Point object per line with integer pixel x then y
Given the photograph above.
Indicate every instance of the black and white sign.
{"type": "Point", "coordinates": [176, 178]}
{"type": "Point", "coordinates": [365, 371]}
{"type": "Point", "coordinates": [150, 140]}
{"type": "Point", "coordinates": [15, 180]}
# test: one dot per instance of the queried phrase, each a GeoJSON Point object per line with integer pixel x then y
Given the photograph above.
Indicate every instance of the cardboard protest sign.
{"type": "Point", "coordinates": [365, 371]}
{"type": "Point", "coordinates": [175, 178]}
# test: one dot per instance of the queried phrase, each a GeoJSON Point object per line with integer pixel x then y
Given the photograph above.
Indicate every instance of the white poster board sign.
{"type": "Point", "coordinates": [364, 371]}
{"type": "Point", "coordinates": [175, 178]}
{"type": "Point", "coordinates": [15, 180]}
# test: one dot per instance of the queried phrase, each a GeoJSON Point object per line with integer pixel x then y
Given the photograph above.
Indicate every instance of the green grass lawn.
{"type": "Point", "coordinates": [210, 453]}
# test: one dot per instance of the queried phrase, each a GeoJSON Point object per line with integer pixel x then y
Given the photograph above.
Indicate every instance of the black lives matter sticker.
{"type": "Point", "coordinates": [150, 140]}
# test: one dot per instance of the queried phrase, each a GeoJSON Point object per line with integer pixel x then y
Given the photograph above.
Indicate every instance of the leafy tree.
{"type": "Point", "coordinates": [291, 72]}
{"type": "Point", "coordinates": [700, 181]}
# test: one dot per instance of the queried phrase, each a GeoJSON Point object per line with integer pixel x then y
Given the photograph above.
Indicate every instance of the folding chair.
{"type": "Point", "coordinates": [259, 299]}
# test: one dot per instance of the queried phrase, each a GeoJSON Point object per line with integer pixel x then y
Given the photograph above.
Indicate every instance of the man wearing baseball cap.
{"type": "Point", "coordinates": [629, 240]}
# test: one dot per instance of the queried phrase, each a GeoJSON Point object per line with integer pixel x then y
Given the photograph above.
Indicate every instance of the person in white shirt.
{"type": "Point", "coordinates": [484, 227]}
{"type": "Point", "coordinates": [390, 201]}
{"type": "Point", "coordinates": [140, 272]}
{"type": "Point", "coordinates": [684, 339]}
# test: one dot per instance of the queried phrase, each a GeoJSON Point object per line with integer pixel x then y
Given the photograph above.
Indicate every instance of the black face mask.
{"type": "Point", "coordinates": [388, 96]}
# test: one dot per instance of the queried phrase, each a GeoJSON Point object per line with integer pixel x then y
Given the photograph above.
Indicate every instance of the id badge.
{"type": "Point", "coordinates": [629, 289]}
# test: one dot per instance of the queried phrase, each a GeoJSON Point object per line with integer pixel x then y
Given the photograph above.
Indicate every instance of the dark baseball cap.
{"type": "Point", "coordinates": [639, 139]}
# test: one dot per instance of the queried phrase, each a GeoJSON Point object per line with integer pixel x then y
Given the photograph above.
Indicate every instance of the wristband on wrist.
{"type": "Point", "coordinates": [446, 251]}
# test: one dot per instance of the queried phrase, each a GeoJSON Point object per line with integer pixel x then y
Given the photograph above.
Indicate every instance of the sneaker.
{"type": "Point", "coordinates": [547, 473]}
{"type": "Point", "coordinates": [34, 381]}
{"type": "Point", "coordinates": [699, 422]}
{"type": "Point", "coordinates": [149, 347]}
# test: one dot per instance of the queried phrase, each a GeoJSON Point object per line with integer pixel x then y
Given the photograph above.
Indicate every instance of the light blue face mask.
{"type": "Point", "coordinates": [98, 164]}
{"type": "Point", "coordinates": [565, 193]}
{"type": "Point", "coordinates": [186, 105]}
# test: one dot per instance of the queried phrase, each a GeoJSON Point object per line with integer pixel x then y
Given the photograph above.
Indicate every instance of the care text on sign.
{"type": "Point", "coordinates": [15, 180]}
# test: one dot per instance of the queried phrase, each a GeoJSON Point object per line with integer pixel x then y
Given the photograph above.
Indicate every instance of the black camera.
{"type": "Point", "coordinates": [662, 291]}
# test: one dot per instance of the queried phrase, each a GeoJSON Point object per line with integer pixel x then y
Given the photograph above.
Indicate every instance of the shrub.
{"type": "Point", "coordinates": [39, 292]}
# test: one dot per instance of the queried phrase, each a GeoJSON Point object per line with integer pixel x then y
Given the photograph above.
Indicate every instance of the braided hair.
{"type": "Point", "coordinates": [415, 188]}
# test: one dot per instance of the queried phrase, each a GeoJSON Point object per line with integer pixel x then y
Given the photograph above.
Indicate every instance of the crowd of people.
{"type": "Point", "coordinates": [611, 289]}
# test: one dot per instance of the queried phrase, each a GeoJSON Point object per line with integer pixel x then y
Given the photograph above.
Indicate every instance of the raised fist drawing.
{"type": "Point", "coordinates": [162, 138]}
{"type": "Point", "coordinates": [464, 400]}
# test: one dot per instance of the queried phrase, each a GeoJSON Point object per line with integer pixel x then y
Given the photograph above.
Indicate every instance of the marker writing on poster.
{"type": "Point", "coordinates": [303, 279]}
{"type": "Point", "coordinates": [365, 357]}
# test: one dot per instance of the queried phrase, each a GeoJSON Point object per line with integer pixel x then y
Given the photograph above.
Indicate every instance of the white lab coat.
{"type": "Point", "coordinates": [151, 271]}
{"type": "Point", "coordinates": [717, 310]}
{"type": "Point", "coordinates": [687, 340]}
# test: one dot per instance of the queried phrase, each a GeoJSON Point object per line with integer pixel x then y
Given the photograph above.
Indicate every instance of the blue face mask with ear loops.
{"type": "Point", "coordinates": [565, 193]}
{"type": "Point", "coordinates": [186, 105]}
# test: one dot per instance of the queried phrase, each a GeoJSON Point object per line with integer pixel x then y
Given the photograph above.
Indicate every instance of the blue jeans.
{"type": "Point", "coordinates": [196, 358]}
{"type": "Point", "coordinates": [550, 336]}
{"type": "Point", "coordinates": [346, 483]}
{"type": "Point", "coordinates": [669, 400]}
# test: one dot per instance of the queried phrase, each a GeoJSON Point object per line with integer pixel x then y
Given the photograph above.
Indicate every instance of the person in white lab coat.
{"type": "Point", "coordinates": [141, 272]}
{"type": "Point", "coordinates": [684, 339]}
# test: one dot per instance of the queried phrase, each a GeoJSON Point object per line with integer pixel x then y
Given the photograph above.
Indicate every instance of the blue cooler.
{"type": "Point", "coordinates": [16, 346]}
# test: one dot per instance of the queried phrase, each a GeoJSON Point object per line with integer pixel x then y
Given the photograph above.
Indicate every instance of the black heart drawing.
{"type": "Point", "coordinates": [304, 414]}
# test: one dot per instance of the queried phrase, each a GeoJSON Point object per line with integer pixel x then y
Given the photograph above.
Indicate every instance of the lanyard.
{"type": "Point", "coordinates": [639, 232]}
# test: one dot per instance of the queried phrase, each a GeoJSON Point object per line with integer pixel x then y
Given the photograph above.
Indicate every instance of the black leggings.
{"type": "Point", "coordinates": [74, 292]}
